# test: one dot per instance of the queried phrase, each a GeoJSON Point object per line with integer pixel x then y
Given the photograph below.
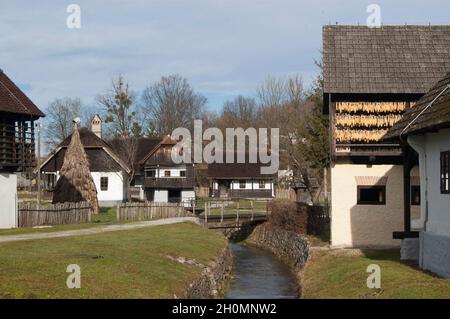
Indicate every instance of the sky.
{"type": "Point", "coordinates": [223, 47]}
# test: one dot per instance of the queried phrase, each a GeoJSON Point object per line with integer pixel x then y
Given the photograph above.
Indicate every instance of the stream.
{"type": "Point", "coordinates": [258, 274]}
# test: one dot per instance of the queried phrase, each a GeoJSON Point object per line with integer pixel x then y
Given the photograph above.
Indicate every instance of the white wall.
{"type": "Point", "coordinates": [174, 172]}
{"type": "Point", "coordinates": [438, 204]}
{"type": "Point", "coordinates": [115, 190]}
{"type": "Point", "coordinates": [187, 195]}
{"type": "Point", "coordinates": [8, 200]}
{"type": "Point", "coordinates": [365, 225]}
{"type": "Point", "coordinates": [161, 196]}
{"type": "Point", "coordinates": [249, 183]}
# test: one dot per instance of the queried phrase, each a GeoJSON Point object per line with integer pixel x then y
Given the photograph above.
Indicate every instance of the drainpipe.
{"type": "Point", "coordinates": [417, 143]}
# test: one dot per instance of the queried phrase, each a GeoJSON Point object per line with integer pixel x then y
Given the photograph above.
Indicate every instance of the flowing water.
{"type": "Point", "coordinates": [259, 274]}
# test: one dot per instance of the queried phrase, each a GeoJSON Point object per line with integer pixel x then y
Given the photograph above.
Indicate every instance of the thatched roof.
{"type": "Point", "coordinates": [75, 183]}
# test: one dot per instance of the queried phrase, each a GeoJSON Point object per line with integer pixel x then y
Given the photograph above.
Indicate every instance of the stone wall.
{"type": "Point", "coordinates": [213, 278]}
{"type": "Point", "coordinates": [290, 247]}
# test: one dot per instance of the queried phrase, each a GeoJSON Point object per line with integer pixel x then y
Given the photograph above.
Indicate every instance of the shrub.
{"type": "Point", "coordinates": [288, 216]}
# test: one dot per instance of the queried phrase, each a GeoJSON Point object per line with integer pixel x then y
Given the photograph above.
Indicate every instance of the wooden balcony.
{"type": "Point", "coordinates": [169, 182]}
{"type": "Point", "coordinates": [374, 149]}
{"type": "Point", "coordinates": [17, 150]}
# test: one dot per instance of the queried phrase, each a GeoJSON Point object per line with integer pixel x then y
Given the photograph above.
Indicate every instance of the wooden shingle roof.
{"type": "Point", "coordinates": [431, 112]}
{"type": "Point", "coordinates": [390, 59]}
{"type": "Point", "coordinates": [13, 100]}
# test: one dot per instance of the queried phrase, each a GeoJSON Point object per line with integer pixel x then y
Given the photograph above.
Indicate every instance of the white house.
{"type": "Point", "coordinates": [108, 171]}
{"type": "Point", "coordinates": [426, 128]}
{"type": "Point", "coordinates": [240, 180]}
{"type": "Point", "coordinates": [164, 181]}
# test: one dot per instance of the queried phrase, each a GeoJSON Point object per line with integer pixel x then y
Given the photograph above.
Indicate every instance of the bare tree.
{"type": "Point", "coordinates": [279, 91]}
{"type": "Point", "coordinates": [240, 112]}
{"type": "Point", "coordinates": [58, 123]}
{"type": "Point", "coordinates": [171, 103]}
{"type": "Point", "coordinates": [272, 91]}
{"type": "Point", "coordinates": [119, 105]}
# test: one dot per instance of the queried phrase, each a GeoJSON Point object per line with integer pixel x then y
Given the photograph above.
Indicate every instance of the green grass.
{"type": "Point", "coordinates": [336, 274]}
{"type": "Point", "coordinates": [121, 264]}
{"type": "Point", "coordinates": [106, 216]}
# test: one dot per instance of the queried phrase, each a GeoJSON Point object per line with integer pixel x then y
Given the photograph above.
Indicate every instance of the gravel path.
{"type": "Point", "coordinates": [100, 229]}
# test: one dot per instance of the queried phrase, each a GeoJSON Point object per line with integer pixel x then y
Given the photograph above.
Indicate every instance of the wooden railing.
{"type": "Point", "coordinates": [381, 149]}
{"type": "Point", "coordinates": [169, 182]}
{"type": "Point", "coordinates": [31, 215]}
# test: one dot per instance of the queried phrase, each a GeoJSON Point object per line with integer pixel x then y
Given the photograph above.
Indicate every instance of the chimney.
{"type": "Point", "coordinates": [96, 125]}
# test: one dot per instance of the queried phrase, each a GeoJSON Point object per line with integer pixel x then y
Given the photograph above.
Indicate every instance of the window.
{"type": "Point", "coordinates": [182, 173]}
{"type": "Point", "coordinates": [150, 173]}
{"type": "Point", "coordinates": [415, 195]}
{"type": "Point", "coordinates": [262, 184]}
{"type": "Point", "coordinates": [104, 183]}
{"type": "Point", "coordinates": [445, 168]}
{"type": "Point", "coordinates": [371, 195]}
{"type": "Point", "coordinates": [241, 184]}
{"type": "Point", "coordinates": [166, 173]}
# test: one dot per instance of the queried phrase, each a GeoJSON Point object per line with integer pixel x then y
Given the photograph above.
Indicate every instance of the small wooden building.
{"type": "Point", "coordinates": [17, 144]}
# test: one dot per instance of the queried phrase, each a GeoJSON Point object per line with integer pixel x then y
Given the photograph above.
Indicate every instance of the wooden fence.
{"type": "Point", "coordinates": [283, 193]}
{"type": "Point", "coordinates": [31, 215]}
{"type": "Point", "coordinates": [149, 210]}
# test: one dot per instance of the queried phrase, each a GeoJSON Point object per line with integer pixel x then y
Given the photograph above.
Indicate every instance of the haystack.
{"type": "Point", "coordinates": [75, 183]}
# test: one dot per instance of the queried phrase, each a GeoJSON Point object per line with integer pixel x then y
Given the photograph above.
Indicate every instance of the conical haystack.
{"type": "Point", "coordinates": [75, 183]}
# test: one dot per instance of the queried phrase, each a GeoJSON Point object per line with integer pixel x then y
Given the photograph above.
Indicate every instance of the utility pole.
{"type": "Point", "coordinates": [38, 126]}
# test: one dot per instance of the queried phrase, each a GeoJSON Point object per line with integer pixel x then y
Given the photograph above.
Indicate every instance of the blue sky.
{"type": "Point", "coordinates": [224, 47]}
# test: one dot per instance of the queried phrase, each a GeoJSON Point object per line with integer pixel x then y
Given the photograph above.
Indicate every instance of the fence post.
{"type": "Point", "coordinates": [118, 212]}
{"type": "Point", "coordinates": [221, 212]}
{"type": "Point", "coordinates": [251, 204]}
{"type": "Point", "coordinates": [206, 213]}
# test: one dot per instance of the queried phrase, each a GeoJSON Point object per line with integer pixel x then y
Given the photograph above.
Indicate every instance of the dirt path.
{"type": "Point", "coordinates": [100, 229]}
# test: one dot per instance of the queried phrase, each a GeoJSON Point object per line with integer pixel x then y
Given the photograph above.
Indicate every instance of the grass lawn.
{"type": "Point", "coordinates": [342, 274]}
{"type": "Point", "coordinates": [106, 216]}
{"type": "Point", "coordinates": [121, 264]}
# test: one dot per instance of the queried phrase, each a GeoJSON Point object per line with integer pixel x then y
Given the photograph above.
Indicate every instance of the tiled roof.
{"type": "Point", "coordinates": [13, 100]}
{"type": "Point", "coordinates": [390, 59]}
{"type": "Point", "coordinates": [236, 171]}
{"type": "Point", "coordinates": [431, 112]}
{"type": "Point", "coordinates": [101, 155]}
{"type": "Point", "coordinates": [144, 146]}
{"type": "Point", "coordinates": [87, 137]}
